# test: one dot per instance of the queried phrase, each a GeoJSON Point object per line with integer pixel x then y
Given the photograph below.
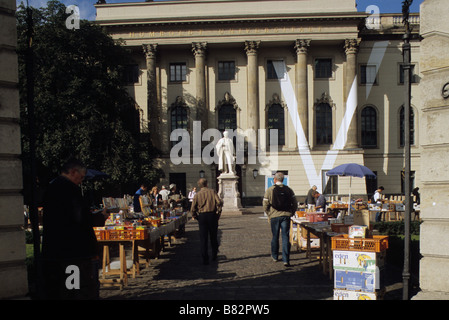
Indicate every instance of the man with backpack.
{"type": "Point", "coordinates": [280, 204]}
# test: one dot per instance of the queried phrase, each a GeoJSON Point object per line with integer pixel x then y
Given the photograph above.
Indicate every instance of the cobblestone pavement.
{"type": "Point", "coordinates": [244, 270]}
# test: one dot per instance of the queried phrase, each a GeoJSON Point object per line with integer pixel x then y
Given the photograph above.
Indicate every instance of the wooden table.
{"type": "Point", "coordinates": [324, 233]}
{"type": "Point", "coordinates": [153, 242]}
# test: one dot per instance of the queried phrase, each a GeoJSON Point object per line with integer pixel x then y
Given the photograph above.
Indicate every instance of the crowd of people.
{"type": "Point", "coordinates": [74, 223]}
{"type": "Point", "coordinates": [168, 197]}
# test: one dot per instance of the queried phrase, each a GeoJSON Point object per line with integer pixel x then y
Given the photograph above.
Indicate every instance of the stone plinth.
{"type": "Point", "coordinates": [229, 193]}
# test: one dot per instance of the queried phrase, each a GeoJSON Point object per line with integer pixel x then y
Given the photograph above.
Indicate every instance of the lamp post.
{"type": "Point", "coordinates": [406, 50]}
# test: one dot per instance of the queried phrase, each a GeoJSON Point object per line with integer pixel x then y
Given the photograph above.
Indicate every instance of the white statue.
{"type": "Point", "coordinates": [225, 151]}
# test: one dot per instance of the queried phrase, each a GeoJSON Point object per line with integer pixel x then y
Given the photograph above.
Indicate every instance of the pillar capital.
{"type": "Point", "coordinates": [199, 48]}
{"type": "Point", "coordinates": [150, 50]}
{"type": "Point", "coordinates": [251, 47]}
{"type": "Point", "coordinates": [302, 46]}
{"type": "Point", "coordinates": [352, 46]}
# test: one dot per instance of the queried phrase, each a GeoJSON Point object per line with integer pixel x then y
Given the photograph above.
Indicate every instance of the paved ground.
{"type": "Point", "coordinates": [244, 270]}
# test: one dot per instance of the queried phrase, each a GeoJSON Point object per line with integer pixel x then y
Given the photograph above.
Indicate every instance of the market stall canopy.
{"type": "Point", "coordinates": [351, 170]}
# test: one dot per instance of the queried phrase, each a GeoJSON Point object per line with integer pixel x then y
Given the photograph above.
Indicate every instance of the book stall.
{"type": "Point", "coordinates": [144, 235]}
{"type": "Point", "coordinates": [349, 252]}
{"type": "Point", "coordinates": [359, 264]}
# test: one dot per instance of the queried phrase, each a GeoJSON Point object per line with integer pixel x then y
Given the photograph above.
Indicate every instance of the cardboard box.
{"type": "Point", "coordinates": [349, 219]}
{"type": "Point", "coordinates": [360, 261]}
{"type": "Point", "coordinates": [362, 218]}
{"type": "Point", "coordinates": [356, 295]}
{"type": "Point", "coordinates": [314, 243]}
{"type": "Point", "coordinates": [357, 281]}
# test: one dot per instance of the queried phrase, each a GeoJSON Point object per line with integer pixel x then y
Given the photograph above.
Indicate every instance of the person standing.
{"type": "Point", "coordinates": [377, 198]}
{"type": "Point", "coordinates": [164, 195]}
{"type": "Point", "coordinates": [69, 245]}
{"type": "Point", "coordinates": [320, 202]}
{"type": "Point", "coordinates": [206, 208]}
{"type": "Point", "coordinates": [280, 204]}
{"type": "Point", "coordinates": [155, 197]}
{"type": "Point", "coordinates": [192, 195]}
{"type": "Point", "coordinates": [143, 190]}
{"type": "Point", "coordinates": [311, 201]}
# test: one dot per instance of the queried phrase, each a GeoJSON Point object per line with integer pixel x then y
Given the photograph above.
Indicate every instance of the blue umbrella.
{"type": "Point", "coordinates": [351, 170]}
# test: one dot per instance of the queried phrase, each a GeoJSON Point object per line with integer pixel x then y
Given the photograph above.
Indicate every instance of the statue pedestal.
{"type": "Point", "coordinates": [229, 193]}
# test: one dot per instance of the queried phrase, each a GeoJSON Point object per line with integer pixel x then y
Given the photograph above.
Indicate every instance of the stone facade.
{"type": "Point", "coordinates": [13, 273]}
{"type": "Point", "coordinates": [202, 35]}
{"type": "Point", "coordinates": [434, 278]}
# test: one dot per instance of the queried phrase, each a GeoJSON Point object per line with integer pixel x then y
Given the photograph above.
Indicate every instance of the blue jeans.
{"type": "Point", "coordinates": [379, 216]}
{"type": "Point", "coordinates": [280, 224]}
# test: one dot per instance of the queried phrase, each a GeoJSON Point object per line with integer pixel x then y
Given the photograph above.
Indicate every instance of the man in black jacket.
{"type": "Point", "coordinates": [69, 247]}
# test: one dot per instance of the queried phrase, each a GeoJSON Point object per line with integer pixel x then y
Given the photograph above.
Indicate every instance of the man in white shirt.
{"type": "Point", "coordinates": [164, 194]}
{"type": "Point", "coordinates": [377, 198]}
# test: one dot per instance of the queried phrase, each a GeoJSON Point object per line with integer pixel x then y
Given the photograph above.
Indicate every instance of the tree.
{"type": "Point", "coordinates": [81, 106]}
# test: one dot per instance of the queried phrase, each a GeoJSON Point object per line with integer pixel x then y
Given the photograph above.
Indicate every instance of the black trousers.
{"type": "Point", "coordinates": [208, 224]}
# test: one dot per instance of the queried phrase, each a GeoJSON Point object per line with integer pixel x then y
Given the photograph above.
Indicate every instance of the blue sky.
{"type": "Point", "coordinates": [87, 9]}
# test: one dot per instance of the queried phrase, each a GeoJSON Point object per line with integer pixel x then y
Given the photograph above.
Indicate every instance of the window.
{"type": "Point", "coordinates": [179, 119]}
{"type": "Point", "coordinates": [369, 127]}
{"type": "Point", "coordinates": [414, 77]}
{"type": "Point", "coordinates": [368, 74]}
{"type": "Point", "coordinates": [131, 74]}
{"type": "Point", "coordinates": [227, 118]}
{"type": "Point", "coordinates": [323, 68]}
{"type": "Point", "coordinates": [323, 123]}
{"type": "Point", "coordinates": [276, 121]}
{"type": "Point", "coordinates": [412, 127]}
{"type": "Point", "coordinates": [178, 72]}
{"type": "Point", "coordinates": [226, 70]}
{"type": "Point", "coordinates": [275, 69]}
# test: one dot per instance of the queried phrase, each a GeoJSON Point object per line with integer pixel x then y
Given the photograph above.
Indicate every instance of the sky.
{"type": "Point", "coordinates": [87, 9]}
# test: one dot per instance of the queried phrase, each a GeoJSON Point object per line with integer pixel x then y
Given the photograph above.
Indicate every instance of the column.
{"type": "Point", "coordinates": [351, 48]}
{"type": "Point", "coordinates": [153, 112]}
{"type": "Point", "coordinates": [433, 110]}
{"type": "Point", "coordinates": [199, 51]}
{"type": "Point", "coordinates": [13, 271]}
{"type": "Point", "coordinates": [301, 47]}
{"type": "Point", "coordinates": [252, 106]}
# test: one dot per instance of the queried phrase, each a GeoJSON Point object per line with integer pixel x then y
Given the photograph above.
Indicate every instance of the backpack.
{"type": "Point", "coordinates": [282, 198]}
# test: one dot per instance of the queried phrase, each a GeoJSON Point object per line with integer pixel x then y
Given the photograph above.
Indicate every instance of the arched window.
{"type": "Point", "coordinates": [323, 114]}
{"type": "Point", "coordinates": [179, 117]}
{"type": "Point", "coordinates": [369, 127]}
{"type": "Point", "coordinates": [275, 119]}
{"type": "Point", "coordinates": [227, 118]}
{"type": "Point", "coordinates": [402, 124]}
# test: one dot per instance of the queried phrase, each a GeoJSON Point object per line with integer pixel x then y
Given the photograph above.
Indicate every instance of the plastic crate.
{"type": "Point", "coordinates": [126, 234]}
{"type": "Point", "coordinates": [374, 244]}
{"type": "Point", "coordinates": [100, 234]}
{"type": "Point", "coordinates": [316, 217]}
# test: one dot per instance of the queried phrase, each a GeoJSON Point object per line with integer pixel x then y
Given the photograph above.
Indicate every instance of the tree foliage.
{"type": "Point", "coordinates": [81, 106]}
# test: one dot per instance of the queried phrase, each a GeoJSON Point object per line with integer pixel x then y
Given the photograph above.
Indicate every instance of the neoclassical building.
{"type": "Point", "coordinates": [328, 77]}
